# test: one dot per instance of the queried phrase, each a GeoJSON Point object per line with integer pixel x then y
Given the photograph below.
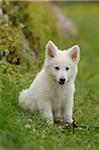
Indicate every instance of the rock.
{"type": "Point", "coordinates": [6, 17]}
{"type": "Point", "coordinates": [65, 24]}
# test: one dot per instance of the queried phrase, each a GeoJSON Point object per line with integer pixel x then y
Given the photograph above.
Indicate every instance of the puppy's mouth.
{"type": "Point", "coordinates": [61, 83]}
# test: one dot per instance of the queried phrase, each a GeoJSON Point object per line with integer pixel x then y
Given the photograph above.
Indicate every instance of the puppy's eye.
{"type": "Point", "coordinates": [67, 68]}
{"type": "Point", "coordinates": [57, 68]}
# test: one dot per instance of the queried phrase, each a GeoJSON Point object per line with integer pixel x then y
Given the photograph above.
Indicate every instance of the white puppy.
{"type": "Point", "coordinates": [52, 91]}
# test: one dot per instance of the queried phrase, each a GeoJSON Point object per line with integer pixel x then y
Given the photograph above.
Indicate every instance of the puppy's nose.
{"type": "Point", "coordinates": [62, 80]}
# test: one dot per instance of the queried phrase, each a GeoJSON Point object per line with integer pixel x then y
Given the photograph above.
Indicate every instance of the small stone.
{"type": "Point", "coordinates": [1, 62]}
{"type": "Point", "coordinates": [6, 26]}
{"type": "Point", "coordinates": [27, 126]}
{"type": "Point", "coordinates": [6, 17]}
{"type": "Point", "coordinates": [1, 12]}
{"type": "Point", "coordinates": [34, 130]}
{"type": "Point", "coordinates": [22, 25]}
{"type": "Point", "coordinates": [6, 52]}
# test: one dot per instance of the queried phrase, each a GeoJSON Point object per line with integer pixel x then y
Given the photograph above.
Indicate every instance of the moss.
{"type": "Point", "coordinates": [26, 31]}
{"type": "Point", "coordinates": [12, 38]}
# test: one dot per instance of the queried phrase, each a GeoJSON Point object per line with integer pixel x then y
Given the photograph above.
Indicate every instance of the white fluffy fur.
{"type": "Point", "coordinates": [45, 94]}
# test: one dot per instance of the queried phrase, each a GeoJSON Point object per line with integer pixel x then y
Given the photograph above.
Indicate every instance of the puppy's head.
{"type": "Point", "coordinates": [61, 65]}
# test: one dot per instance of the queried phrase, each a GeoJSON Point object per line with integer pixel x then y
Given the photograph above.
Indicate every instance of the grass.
{"type": "Point", "coordinates": [14, 133]}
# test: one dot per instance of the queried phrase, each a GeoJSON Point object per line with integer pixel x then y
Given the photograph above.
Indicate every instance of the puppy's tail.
{"type": "Point", "coordinates": [23, 99]}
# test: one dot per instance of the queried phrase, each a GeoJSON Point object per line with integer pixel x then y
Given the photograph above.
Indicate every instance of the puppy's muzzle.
{"type": "Point", "coordinates": [62, 81]}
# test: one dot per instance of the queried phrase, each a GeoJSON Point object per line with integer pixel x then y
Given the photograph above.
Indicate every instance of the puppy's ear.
{"type": "Point", "coordinates": [74, 53]}
{"type": "Point", "coordinates": [51, 49]}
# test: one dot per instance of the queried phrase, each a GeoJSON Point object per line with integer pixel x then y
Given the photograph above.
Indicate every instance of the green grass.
{"type": "Point", "coordinates": [13, 120]}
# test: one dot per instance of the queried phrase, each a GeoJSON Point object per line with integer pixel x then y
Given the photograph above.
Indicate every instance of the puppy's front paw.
{"type": "Point", "coordinates": [59, 120]}
{"type": "Point", "coordinates": [68, 123]}
{"type": "Point", "coordinates": [68, 119]}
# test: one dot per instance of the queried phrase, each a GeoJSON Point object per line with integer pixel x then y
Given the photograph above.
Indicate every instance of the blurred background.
{"type": "Point", "coordinates": [25, 28]}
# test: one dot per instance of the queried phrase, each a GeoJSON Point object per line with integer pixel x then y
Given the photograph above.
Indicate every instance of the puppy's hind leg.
{"type": "Point", "coordinates": [47, 114]}
{"type": "Point", "coordinates": [24, 99]}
